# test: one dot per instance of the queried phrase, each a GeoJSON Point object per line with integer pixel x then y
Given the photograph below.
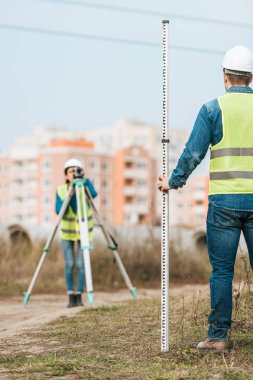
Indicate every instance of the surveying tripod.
{"type": "Point", "coordinates": [82, 196]}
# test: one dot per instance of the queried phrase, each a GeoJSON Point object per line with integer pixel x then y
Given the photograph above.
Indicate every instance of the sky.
{"type": "Point", "coordinates": [104, 60]}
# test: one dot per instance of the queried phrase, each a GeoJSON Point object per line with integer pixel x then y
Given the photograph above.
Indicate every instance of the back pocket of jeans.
{"type": "Point", "coordinates": [221, 217]}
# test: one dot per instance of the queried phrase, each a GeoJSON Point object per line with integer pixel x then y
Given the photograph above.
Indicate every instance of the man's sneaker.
{"type": "Point", "coordinates": [213, 345]}
{"type": "Point", "coordinates": [79, 299]}
{"type": "Point", "coordinates": [72, 300]}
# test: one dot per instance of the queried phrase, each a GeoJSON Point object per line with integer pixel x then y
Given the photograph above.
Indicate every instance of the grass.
{"type": "Point", "coordinates": [141, 258]}
{"type": "Point", "coordinates": [123, 342]}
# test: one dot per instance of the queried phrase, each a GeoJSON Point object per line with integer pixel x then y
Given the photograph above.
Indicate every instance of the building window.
{"type": "Point", "coordinates": [46, 164]}
{"type": "Point", "coordinates": [141, 165]}
{"type": "Point", "coordinates": [105, 184]}
{"type": "Point", "coordinates": [30, 182]}
{"type": "Point", "coordinates": [31, 200]}
{"type": "Point", "coordinates": [47, 218]}
{"type": "Point", "coordinates": [46, 182]}
{"type": "Point", "coordinates": [129, 182]}
{"type": "Point", "coordinates": [18, 200]}
{"type": "Point", "coordinates": [106, 202]}
{"type": "Point", "coordinates": [141, 200]}
{"type": "Point", "coordinates": [46, 200]}
{"type": "Point", "coordinates": [106, 166]}
{"type": "Point", "coordinates": [141, 182]}
{"type": "Point", "coordinates": [93, 165]}
{"type": "Point", "coordinates": [129, 199]}
{"type": "Point", "coordinates": [17, 164]}
{"type": "Point", "coordinates": [129, 164]}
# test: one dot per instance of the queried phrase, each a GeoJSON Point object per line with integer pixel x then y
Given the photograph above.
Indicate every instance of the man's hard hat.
{"type": "Point", "coordinates": [239, 58]}
{"type": "Point", "coordinates": [73, 162]}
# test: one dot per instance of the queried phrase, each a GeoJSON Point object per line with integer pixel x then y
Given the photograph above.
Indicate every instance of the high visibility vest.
{"type": "Point", "coordinates": [231, 163]}
{"type": "Point", "coordinates": [69, 224]}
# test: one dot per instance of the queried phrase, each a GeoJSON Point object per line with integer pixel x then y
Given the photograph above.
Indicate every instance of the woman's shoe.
{"type": "Point", "coordinates": [72, 300]}
{"type": "Point", "coordinates": [79, 301]}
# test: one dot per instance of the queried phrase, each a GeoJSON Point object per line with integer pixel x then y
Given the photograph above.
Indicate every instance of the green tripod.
{"type": "Point", "coordinates": [83, 196]}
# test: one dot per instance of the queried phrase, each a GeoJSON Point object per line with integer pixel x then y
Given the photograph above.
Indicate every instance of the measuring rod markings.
{"type": "Point", "coordinates": [165, 204]}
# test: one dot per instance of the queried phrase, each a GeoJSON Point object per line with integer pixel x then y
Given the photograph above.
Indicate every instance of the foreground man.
{"type": "Point", "coordinates": [225, 123]}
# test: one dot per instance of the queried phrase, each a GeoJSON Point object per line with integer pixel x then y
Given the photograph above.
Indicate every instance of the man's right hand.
{"type": "Point", "coordinates": [162, 184]}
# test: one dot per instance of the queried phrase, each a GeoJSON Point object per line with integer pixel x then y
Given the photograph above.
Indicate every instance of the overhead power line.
{"type": "Point", "coordinates": [60, 33]}
{"type": "Point", "coordinates": [144, 12]}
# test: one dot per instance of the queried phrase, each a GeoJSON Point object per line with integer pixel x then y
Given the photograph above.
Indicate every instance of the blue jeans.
{"type": "Point", "coordinates": [70, 263]}
{"type": "Point", "coordinates": [224, 227]}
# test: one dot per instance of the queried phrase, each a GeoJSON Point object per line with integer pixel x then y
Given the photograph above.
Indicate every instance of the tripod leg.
{"type": "Point", "coordinates": [111, 245]}
{"type": "Point", "coordinates": [46, 248]}
{"type": "Point", "coordinates": [84, 238]}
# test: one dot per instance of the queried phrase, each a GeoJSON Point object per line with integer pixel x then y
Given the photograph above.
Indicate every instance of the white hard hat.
{"type": "Point", "coordinates": [73, 162]}
{"type": "Point", "coordinates": [239, 58]}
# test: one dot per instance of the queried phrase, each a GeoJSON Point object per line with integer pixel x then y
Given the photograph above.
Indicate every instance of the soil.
{"type": "Point", "coordinates": [17, 319]}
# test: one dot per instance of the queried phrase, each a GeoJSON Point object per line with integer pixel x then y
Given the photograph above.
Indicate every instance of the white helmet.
{"type": "Point", "coordinates": [239, 58]}
{"type": "Point", "coordinates": [73, 162]}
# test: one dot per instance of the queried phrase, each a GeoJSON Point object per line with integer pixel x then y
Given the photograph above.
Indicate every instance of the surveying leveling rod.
{"type": "Point", "coordinates": [165, 204]}
{"type": "Point", "coordinates": [47, 247]}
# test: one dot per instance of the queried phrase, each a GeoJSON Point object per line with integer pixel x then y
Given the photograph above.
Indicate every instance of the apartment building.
{"type": "Point", "coordinates": [33, 168]}
{"type": "Point", "coordinates": [134, 191]}
{"type": "Point", "coordinates": [123, 162]}
{"type": "Point", "coordinates": [125, 133]}
{"type": "Point", "coordinates": [188, 205]}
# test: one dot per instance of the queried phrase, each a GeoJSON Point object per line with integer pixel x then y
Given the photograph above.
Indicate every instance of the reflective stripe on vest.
{"type": "Point", "coordinates": [231, 164]}
{"type": "Point", "coordinates": [69, 223]}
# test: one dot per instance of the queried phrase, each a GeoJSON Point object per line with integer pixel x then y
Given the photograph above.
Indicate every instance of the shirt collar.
{"type": "Point", "coordinates": [240, 89]}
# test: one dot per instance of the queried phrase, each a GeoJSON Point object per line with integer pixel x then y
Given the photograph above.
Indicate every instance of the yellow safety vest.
{"type": "Point", "coordinates": [231, 164]}
{"type": "Point", "coordinates": [69, 224]}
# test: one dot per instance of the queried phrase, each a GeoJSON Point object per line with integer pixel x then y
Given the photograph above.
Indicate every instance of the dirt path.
{"type": "Point", "coordinates": [15, 318]}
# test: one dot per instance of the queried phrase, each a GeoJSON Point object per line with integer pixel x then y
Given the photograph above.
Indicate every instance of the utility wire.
{"type": "Point", "coordinates": [59, 33]}
{"type": "Point", "coordinates": [149, 13]}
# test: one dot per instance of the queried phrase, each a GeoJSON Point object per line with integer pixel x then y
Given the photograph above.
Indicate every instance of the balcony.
{"type": "Point", "coordinates": [199, 195]}
{"type": "Point", "coordinates": [130, 173]}
{"type": "Point", "coordinates": [135, 208]}
{"type": "Point", "coordinates": [134, 173]}
{"type": "Point", "coordinates": [129, 190]}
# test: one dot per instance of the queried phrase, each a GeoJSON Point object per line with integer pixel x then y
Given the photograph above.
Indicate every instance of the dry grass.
{"type": "Point", "coordinates": [123, 342]}
{"type": "Point", "coordinates": [140, 257]}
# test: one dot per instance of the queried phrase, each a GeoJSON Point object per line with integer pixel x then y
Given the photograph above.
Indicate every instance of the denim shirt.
{"type": "Point", "coordinates": [208, 131]}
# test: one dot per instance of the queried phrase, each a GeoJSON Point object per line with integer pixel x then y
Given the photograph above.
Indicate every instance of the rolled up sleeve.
{"type": "Point", "coordinates": [195, 149]}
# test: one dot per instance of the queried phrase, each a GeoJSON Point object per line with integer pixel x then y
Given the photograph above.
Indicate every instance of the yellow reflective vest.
{"type": "Point", "coordinates": [231, 163]}
{"type": "Point", "coordinates": [69, 224]}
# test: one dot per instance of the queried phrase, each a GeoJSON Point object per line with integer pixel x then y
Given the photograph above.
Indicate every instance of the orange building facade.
{"type": "Point", "coordinates": [134, 186]}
